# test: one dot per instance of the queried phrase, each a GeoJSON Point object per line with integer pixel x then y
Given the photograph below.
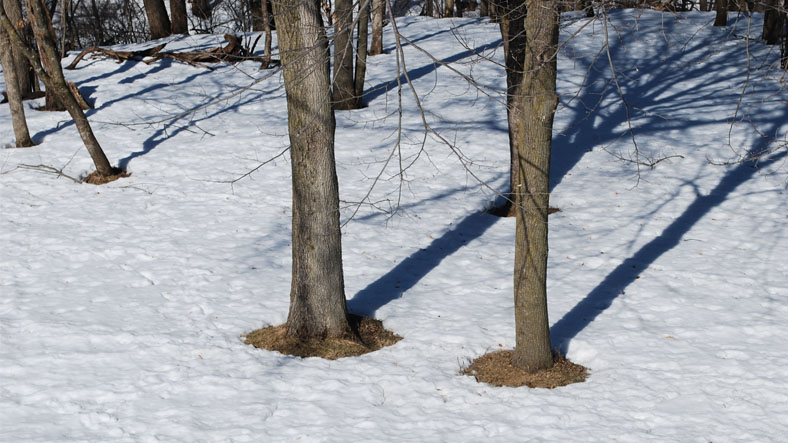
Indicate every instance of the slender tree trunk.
{"type": "Point", "coordinates": [157, 18]}
{"type": "Point", "coordinates": [721, 19]}
{"type": "Point", "coordinates": [54, 79]}
{"type": "Point", "coordinates": [318, 308]}
{"type": "Point", "coordinates": [378, 12]}
{"type": "Point", "coordinates": [267, 28]}
{"type": "Point", "coordinates": [24, 73]}
{"type": "Point", "coordinates": [179, 23]}
{"type": "Point", "coordinates": [361, 52]}
{"type": "Point", "coordinates": [21, 133]}
{"type": "Point", "coordinates": [343, 56]}
{"type": "Point", "coordinates": [512, 25]}
{"type": "Point", "coordinates": [536, 101]}
{"type": "Point", "coordinates": [784, 15]}
{"type": "Point", "coordinates": [772, 23]}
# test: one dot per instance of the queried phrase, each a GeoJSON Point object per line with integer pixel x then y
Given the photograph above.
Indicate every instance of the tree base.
{"type": "Point", "coordinates": [94, 178]}
{"type": "Point", "coordinates": [373, 336]}
{"type": "Point", "coordinates": [495, 368]}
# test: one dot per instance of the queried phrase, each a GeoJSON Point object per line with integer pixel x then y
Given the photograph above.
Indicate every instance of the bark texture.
{"type": "Point", "coordinates": [157, 18]}
{"type": "Point", "coordinates": [343, 90]}
{"type": "Point", "coordinates": [24, 73]}
{"type": "Point", "coordinates": [318, 308]}
{"type": "Point", "coordinates": [54, 78]}
{"type": "Point", "coordinates": [179, 23]}
{"type": "Point", "coordinates": [361, 53]}
{"type": "Point", "coordinates": [378, 12]}
{"type": "Point", "coordinates": [18, 121]}
{"type": "Point", "coordinates": [721, 19]}
{"type": "Point", "coordinates": [535, 104]}
{"type": "Point", "coordinates": [512, 23]}
{"type": "Point", "coordinates": [266, 18]}
{"type": "Point", "coordinates": [772, 23]}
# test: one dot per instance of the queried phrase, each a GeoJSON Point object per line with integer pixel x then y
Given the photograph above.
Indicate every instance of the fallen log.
{"type": "Point", "coordinates": [120, 56]}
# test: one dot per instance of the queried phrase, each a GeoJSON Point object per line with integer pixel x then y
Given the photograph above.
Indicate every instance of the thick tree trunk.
{"type": "Point", "coordinates": [484, 9]}
{"type": "Point", "coordinates": [318, 308]}
{"type": "Point", "coordinates": [448, 10]}
{"type": "Point", "coordinates": [24, 73]}
{"type": "Point", "coordinates": [721, 19]}
{"type": "Point", "coordinates": [512, 25]}
{"type": "Point", "coordinates": [343, 93]}
{"type": "Point", "coordinates": [157, 18]}
{"type": "Point", "coordinates": [427, 9]}
{"type": "Point", "coordinates": [361, 52]}
{"type": "Point", "coordinates": [378, 12]}
{"type": "Point", "coordinates": [535, 104]}
{"type": "Point", "coordinates": [54, 79]}
{"type": "Point", "coordinates": [21, 133]}
{"type": "Point", "coordinates": [179, 23]}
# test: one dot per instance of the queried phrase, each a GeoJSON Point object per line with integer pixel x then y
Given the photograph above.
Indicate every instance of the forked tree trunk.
{"type": "Point", "coordinates": [721, 19]}
{"type": "Point", "coordinates": [378, 12]}
{"type": "Point", "coordinates": [54, 79]}
{"type": "Point", "coordinates": [361, 52]}
{"type": "Point", "coordinates": [512, 25]}
{"type": "Point", "coordinates": [343, 91]}
{"type": "Point", "coordinates": [157, 18]}
{"type": "Point", "coordinates": [24, 77]}
{"type": "Point", "coordinates": [179, 23]}
{"type": "Point", "coordinates": [21, 133]}
{"type": "Point", "coordinates": [536, 101]}
{"type": "Point", "coordinates": [318, 308]}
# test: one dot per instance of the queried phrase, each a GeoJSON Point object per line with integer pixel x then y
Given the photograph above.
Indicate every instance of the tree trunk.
{"type": "Point", "coordinates": [772, 23]}
{"type": "Point", "coordinates": [512, 25]}
{"type": "Point", "coordinates": [202, 9]}
{"type": "Point", "coordinates": [21, 133]}
{"type": "Point", "coordinates": [378, 12]}
{"type": "Point", "coordinates": [535, 104]}
{"type": "Point", "coordinates": [157, 18]}
{"type": "Point", "coordinates": [427, 9]}
{"type": "Point", "coordinates": [54, 79]}
{"type": "Point", "coordinates": [721, 19]}
{"type": "Point", "coordinates": [784, 15]}
{"type": "Point", "coordinates": [318, 308]}
{"type": "Point", "coordinates": [484, 10]}
{"type": "Point", "coordinates": [267, 28]}
{"type": "Point", "coordinates": [361, 52]}
{"type": "Point", "coordinates": [448, 10]}
{"type": "Point", "coordinates": [24, 73]}
{"type": "Point", "coordinates": [179, 23]}
{"type": "Point", "coordinates": [343, 93]}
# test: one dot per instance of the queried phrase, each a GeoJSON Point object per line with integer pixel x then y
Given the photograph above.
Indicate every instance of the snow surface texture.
{"type": "Point", "coordinates": [122, 306]}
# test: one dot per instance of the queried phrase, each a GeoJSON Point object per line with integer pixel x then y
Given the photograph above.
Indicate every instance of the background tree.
{"type": "Point", "coordinates": [21, 132]}
{"type": "Point", "coordinates": [54, 79]}
{"type": "Point", "coordinates": [535, 101]}
{"type": "Point", "coordinates": [378, 12]}
{"type": "Point", "coordinates": [157, 18]}
{"type": "Point", "coordinates": [361, 53]}
{"type": "Point", "coordinates": [318, 307]}
{"type": "Point", "coordinates": [24, 73]}
{"type": "Point", "coordinates": [343, 87]}
{"type": "Point", "coordinates": [179, 24]}
{"type": "Point", "coordinates": [721, 19]}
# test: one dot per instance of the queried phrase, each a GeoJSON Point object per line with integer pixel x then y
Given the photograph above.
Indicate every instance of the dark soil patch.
{"type": "Point", "coordinates": [507, 210]}
{"type": "Point", "coordinates": [94, 178]}
{"type": "Point", "coordinates": [372, 334]}
{"type": "Point", "coordinates": [496, 369]}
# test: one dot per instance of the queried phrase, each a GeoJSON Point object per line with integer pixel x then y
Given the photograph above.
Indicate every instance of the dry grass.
{"type": "Point", "coordinates": [94, 178]}
{"type": "Point", "coordinates": [372, 334]}
{"type": "Point", "coordinates": [496, 369]}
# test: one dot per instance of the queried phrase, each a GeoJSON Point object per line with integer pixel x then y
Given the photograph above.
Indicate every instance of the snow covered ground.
{"type": "Point", "coordinates": [122, 306]}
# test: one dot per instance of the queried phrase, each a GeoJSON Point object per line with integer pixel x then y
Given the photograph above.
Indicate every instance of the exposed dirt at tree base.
{"type": "Point", "coordinates": [94, 178]}
{"type": "Point", "coordinates": [371, 332]}
{"type": "Point", "coordinates": [495, 368]}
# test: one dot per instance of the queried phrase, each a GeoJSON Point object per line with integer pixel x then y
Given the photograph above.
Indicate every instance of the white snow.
{"type": "Point", "coordinates": [122, 306]}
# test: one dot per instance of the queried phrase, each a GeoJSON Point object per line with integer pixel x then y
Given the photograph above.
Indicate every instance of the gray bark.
{"type": "Point", "coordinates": [318, 308]}
{"type": "Point", "coordinates": [21, 132]}
{"type": "Point", "coordinates": [378, 12]}
{"type": "Point", "coordinates": [361, 52]}
{"type": "Point", "coordinates": [343, 90]}
{"type": "Point", "coordinates": [13, 8]}
{"type": "Point", "coordinates": [535, 102]}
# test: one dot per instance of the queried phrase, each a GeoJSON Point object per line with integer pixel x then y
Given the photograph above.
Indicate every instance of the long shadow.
{"type": "Point", "coordinates": [382, 88]}
{"type": "Point", "coordinates": [409, 271]}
